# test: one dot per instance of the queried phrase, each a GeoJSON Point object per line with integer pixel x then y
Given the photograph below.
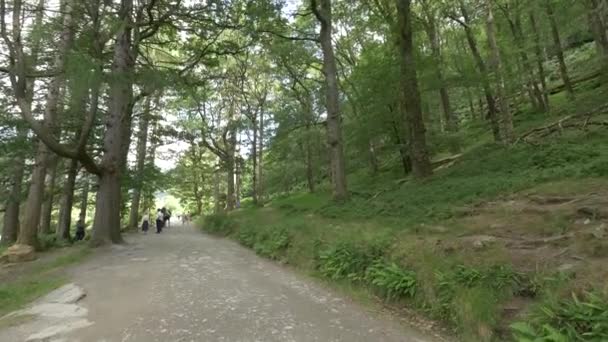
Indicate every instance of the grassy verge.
{"type": "Point", "coordinates": [37, 280]}
{"type": "Point", "coordinates": [383, 240]}
{"type": "Point", "coordinates": [405, 242]}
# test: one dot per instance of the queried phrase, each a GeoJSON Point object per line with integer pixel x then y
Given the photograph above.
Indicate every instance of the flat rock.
{"type": "Point", "coordinates": [67, 294]}
{"type": "Point", "coordinates": [55, 330]}
{"type": "Point", "coordinates": [56, 310]}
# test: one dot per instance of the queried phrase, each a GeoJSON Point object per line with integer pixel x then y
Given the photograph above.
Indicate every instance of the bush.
{"type": "Point", "coordinates": [346, 260]}
{"type": "Point", "coordinates": [499, 280]}
{"type": "Point", "coordinates": [50, 241]}
{"type": "Point", "coordinates": [247, 236]}
{"type": "Point", "coordinates": [219, 224]}
{"type": "Point", "coordinates": [394, 281]}
{"type": "Point", "coordinates": [573, 319]}
{"type": "Point", "coordinates": [272, 242]}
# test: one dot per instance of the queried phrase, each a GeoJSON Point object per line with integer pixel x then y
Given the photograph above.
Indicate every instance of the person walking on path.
{"type": "Point", "coordinates": [145, 224]}
{"type": "Point", "coordinates": [159, 221]}
{"type": "Point", "coordinates": [167, 218]}
{"type": "Point", "coordinates": [79, 230]}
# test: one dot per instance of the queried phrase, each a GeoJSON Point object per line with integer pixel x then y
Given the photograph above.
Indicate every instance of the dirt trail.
{"type": "Point", "coordinates": [186, 286]}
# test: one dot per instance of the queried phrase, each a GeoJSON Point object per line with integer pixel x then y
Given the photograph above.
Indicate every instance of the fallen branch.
{"type": "Point", "coordinates": [446, 160]}
{"type": "Point", "coordinates": [569, 121]}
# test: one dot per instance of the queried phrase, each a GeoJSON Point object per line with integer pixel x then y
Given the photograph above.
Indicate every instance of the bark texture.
{"type": "Point", "coordinates": [67, 201]}
{"type": "Point", "coordinates": [106, 224]}
{"type": "Point", "coordinates": [142, 142]}
{"type": "Point", "coordinates": [559, 51]}
{"type": "Point", "coordinates": [49, 197]}
{"type": "Point", "coordinates": [84, 200]}
{"type": "Point", "coordinates": [483, 71]}
{"type": "Point", "coordinates": [411, 103]}
{"type": "Point", "coordinates": [506, 119]}
{"type": "Point", "coordinates": [29, 229]}
{"type": "Point", "coordinates": [10, 227]}
{"type": "Point", "coordinates": [539, 59]}
{"type": "Point", "coordinates": [323, 12]}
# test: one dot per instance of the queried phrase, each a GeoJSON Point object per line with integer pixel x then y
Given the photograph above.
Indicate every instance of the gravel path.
{"type": "Point", "coordinates": [182, 285]}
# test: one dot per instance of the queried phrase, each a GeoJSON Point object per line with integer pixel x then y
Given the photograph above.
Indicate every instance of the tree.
{"type": "Point", "coordinates": [506, 119]}
{"type": "Point", "coordinates": [410, 95]}
{"type": "Point", "coordinates": [466, 23]}
{"type": "Point", "coordinates": [557, 43]}
{"type": "Point", "coordinates": [142, 141]}
{"type": "Point", "coordinates": [18, 78]}
{"type": "Point", "coordinates": [322, 11]}
{"type": "Point", "coordinates": [429, 21]}
{"type": "Point", "coordinates": [67, 201]}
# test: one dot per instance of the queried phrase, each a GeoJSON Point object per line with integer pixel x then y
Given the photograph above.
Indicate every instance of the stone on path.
{"type": "Point", "coordinates": [55, 330]}
{"type": "Point", "coordinates": [67, 294]}
{"type": "Point", "coordinates": [55, 314]}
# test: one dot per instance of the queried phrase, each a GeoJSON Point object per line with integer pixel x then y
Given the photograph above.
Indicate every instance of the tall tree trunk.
{"type": "Point", "coordinates": [216, 190]}
{"type": "Point", "coordinates": [470, 102]}
{"type": "Point", "coordinates": [199, 206]}
{"type": "Point", "coordinates": [506, 118]}
{"type": "Point", "coordinates": [536, 97]}
{"type": "Point", "coordinates": [323, 12]}
{"type": "Point", "coordinates": [237, 186]}
{"type": "Point", "coordinates": [254, 159]}
{"type": "Point", "coordinates": [150, 158]}
{"type": "Point", "coordinates": [410, 95]}
{"type": "Point", "coordinates": [528, 66]}
{"type": "Point", "coordinates": [260, 190]}
{"type": "Point", "coordinates": [448, 114]}
{"type": "Point", "coordinates": [598, 22]}
{"type": "Point", "coordinates": [47, 205]}
{"type": "Point", "coordinates": [539, 59]}
{"type": "Point", "coordinates": [10, 227]}
{"type": "Point", "coordinates": [310, 176]}
{"type": "Point", "coordinates": [106, 225]}
{"type": "Point", "coordinates": [142, 141]}
{"type": "Point", "coordinates": [29, 229]}
{"type": "Point", "coordinates": [403, 153]}
{"type": "Point", "coordinates": [231, 162]}
{"type": "Point", "coordinates": [197, 191]}
{"type": "Point", "coordinates": [230, 189]}
{"type": "Point", "coordinates": [67, 201]}
{"type": "Point", "coordinates": [84, 201]}
{"type": "Point", "coordinates": [563, 69]}
{"type": "Point", "coordinates": [481, 66]}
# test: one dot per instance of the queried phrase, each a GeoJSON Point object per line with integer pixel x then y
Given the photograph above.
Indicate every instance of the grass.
{"type": "Point", "coordinates": [378, 242]}
{"type": "Point", "coordinates": [375, 240]}
{"type": "Point", "coordinates": [15, 295]}
{"type": "Point", "coordinates": [37, 281]}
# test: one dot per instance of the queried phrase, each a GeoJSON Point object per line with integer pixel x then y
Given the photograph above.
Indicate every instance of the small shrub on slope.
{"type": "Point", "coordinates": [219, 224]}
{"type": "Point", "coordinates": [272, 242]}
{"type": "Point", "coordinates": [573, 319]}
{"type": "Point", "coordinates": [346, 260]}
{"type": "Point", "coordinates": [394, 281]}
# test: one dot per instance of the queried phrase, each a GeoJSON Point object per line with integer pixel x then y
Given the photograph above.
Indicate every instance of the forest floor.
{"type": "Point", "coordinates": [555, 235]}
{"type": "Point", "coordinates": [186, 286]}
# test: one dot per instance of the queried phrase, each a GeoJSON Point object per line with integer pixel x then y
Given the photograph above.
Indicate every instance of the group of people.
{"type": "Point", "coordinates": [163, 219]}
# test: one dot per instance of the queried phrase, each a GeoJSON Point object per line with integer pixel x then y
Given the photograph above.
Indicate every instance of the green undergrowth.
{"type": "Point", "coordinates": [377, 240]}
{"type": "Point", "coordinates": [37, 280]}
{"type": "Point", "coordinates": [581, 317]}
{"type": "Point", "coordinates": [467, 297]}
